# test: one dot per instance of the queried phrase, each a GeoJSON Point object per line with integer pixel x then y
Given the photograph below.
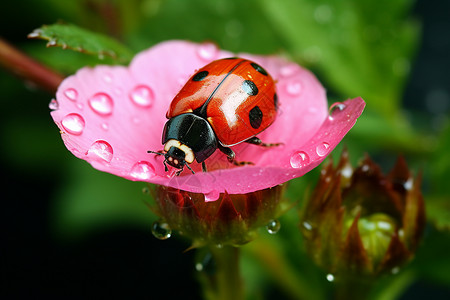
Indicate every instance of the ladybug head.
{"type": "Point", "coordinates": [177, 155]}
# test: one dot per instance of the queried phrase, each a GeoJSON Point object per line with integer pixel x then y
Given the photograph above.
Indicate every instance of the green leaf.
{"type": "Point", "coordinates": [362, 48]}
{"type": "Point", "coordinates": [93, 200]}
{"type": "Point", "coordinates": [72, 37]}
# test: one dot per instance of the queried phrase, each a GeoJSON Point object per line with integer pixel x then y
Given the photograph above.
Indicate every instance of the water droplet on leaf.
{"type": "Point", "coordinates": [330, 277]}
{"type": "Point", "coordinates": [101, 103]}
{"type": "Point", "coordinates": [161, 230]}
{"type": "Point", "coordinates": [73, 124]}
{"type": "Point", "coordinates": [273, 226]}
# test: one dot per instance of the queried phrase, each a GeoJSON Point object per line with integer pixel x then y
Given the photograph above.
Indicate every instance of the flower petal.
{"type": "Point", "coordinates": [111, 116]}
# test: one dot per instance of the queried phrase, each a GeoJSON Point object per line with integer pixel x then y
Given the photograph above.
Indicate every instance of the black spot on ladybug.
{"type": "Point", "coordinates": [250, 88]}
{"type": "Point", "coordinates": [255, 115]}
{"type": "Point", "coordinates": [200, 76]}
{"type": "Point", "coordinates": [259, 68]}
{"type": "Point", "coordinates": [275, 100]}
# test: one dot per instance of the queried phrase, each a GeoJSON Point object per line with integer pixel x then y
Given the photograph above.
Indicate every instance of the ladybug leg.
{"type": "Point", "coordinates": [231, 156]}
{"type": "Point", "coordinates": [204, 167]}
{"type": "Point", "coordinates": [257, 141]}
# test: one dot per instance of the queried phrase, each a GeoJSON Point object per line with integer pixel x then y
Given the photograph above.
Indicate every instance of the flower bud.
{"type": "Point", "coordinates": [361, 222]}
{"type": "Point", "coordinates": [230, 220]}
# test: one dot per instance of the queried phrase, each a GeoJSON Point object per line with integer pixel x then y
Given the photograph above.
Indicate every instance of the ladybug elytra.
{"type": "Point", "coordinates": [225, 103]}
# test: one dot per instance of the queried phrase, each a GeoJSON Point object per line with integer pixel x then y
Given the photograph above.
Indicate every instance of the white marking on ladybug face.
{"type": "Point", "coordinates": [189, 157]}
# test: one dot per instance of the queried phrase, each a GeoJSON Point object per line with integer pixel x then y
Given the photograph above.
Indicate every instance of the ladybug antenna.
{"type": "Point", "coordinates": [155, 152]}
{"type": "Point", "coordinates": [189, 168]}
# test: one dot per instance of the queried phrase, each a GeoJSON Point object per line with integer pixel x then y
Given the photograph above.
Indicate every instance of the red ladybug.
{"type": "Point", "coordinates": [227, 102]}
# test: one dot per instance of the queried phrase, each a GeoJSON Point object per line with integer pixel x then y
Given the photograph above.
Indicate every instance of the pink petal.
{"type": "Point", "coordinates": [111, 116]}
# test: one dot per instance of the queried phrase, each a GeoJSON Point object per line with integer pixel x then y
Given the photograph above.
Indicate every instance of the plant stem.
{"type": "Point", "coordinates": [227, 279]}
{"type": "Point", "coordinates": [350, 288]}
{"type": "Point", "coordinates": [27, 68]}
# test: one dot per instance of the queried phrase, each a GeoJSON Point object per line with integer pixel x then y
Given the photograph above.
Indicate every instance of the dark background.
{"type": "Point", "coordinates": [124, 259]}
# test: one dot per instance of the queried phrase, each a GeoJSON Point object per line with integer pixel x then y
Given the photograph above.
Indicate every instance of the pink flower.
{"type": "Point", "coordinates": [110, 117]}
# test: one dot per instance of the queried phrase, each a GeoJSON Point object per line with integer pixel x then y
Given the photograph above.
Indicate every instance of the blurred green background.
{"type": "Point", "coordinates": [72, 230]}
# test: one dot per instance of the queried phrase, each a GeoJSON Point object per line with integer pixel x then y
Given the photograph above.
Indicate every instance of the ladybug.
{"type": "Point", "coordinates": [225, 103]}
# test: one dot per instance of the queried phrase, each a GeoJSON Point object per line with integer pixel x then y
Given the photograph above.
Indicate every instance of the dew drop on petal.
{"type": "Point", "coordinates": [53, 105]}
{"type": "Point", "coordinates": [336, 108]}
{"type": "Point", "coordinates": [299, 159]}
{"type": "Point", "coordinates": [273, 226]}
{"type": "Point", "coordinates": [207, 51]}
{"type": "Point", "coordinates": [104, 126]}
{"type": "Point", "coordinates": [101, 103]}
{"type": "Point", "coordinates": [289, 70]}
{"type": "Point", "coordinates": [108, 78]}
{"type": "Point", "coordinates": [71, 94]}
{"type": "Point", "coordinates": [212, 196]}
{"type": "Point", "coordinates": [142, 170]}
{"type": "Point", "coordinates": [323, 149]}
{"type": "Point", "coordinates": [294, 88]}
{"type": "Point", "coordinates": [142, 95]}
{"type": "Point", "coordinates": [100, 150]}
{"type": "Point", "coordinates": [161, 230]}
{"type": "Point", "coordinates": [73, 124]}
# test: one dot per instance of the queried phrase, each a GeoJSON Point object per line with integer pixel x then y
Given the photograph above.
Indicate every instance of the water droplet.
{"type": "Point", "coordinates": [71, 94]}
{"type": "Point", "coordinates": [53, 105]}
{"type": "Point", "coordinates": [273, 226]}
{"type": "Point", "coordinates": [142, 170]}
{"type": "Point", "coordinates": [408, 185]}
{"type": "Point", "coordinates": [330, 277]}
{"type": "Point", "coordinates": [365, 168]}
{"type": "Point", "coordinates": [395, 270]}
{"type": "Point", "coordinates": [323, 149]}
{"type": "Point", "coordinates": [51, 43]}
{"type": "Point", "coordinates": [101, 103]}
{"type": "Point", "coordinates": [206, 264]}
{"type": "Point", "coordinates": [307, 225]}
{"type": "Point", "coordinates": [294, 88]}
{"type": "Point", "coordinates": [107, 78]}
{"type": "Point", "coordinates": [335, 108]}
{"type": "Point", "coordinates": [347, 171]}
{"type": "Point", "coordinates": [289, 70]}
{"type": "Point", "coordinates": [212, 196]}
{"type": "Point", "coordinates": [105, 126]}
{"type": "Point", "coordinates": [161, 230]}
{"type": "Point", "coordinates": [100, 150]}
{"type": "Point", "coordinates": [80, 106]}
{"type": "Point", "coordinates": [299, 159]}
{"type": "Point", "coordinates": [73, 123]}
{"type": "Point", "coordinates": [208, 51]}
{"type": "Point", "coordinates": [142, 95]}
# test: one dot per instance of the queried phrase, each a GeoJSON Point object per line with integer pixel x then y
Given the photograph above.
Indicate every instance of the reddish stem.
{"type": "Point", "coordinates": [27, 68]}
